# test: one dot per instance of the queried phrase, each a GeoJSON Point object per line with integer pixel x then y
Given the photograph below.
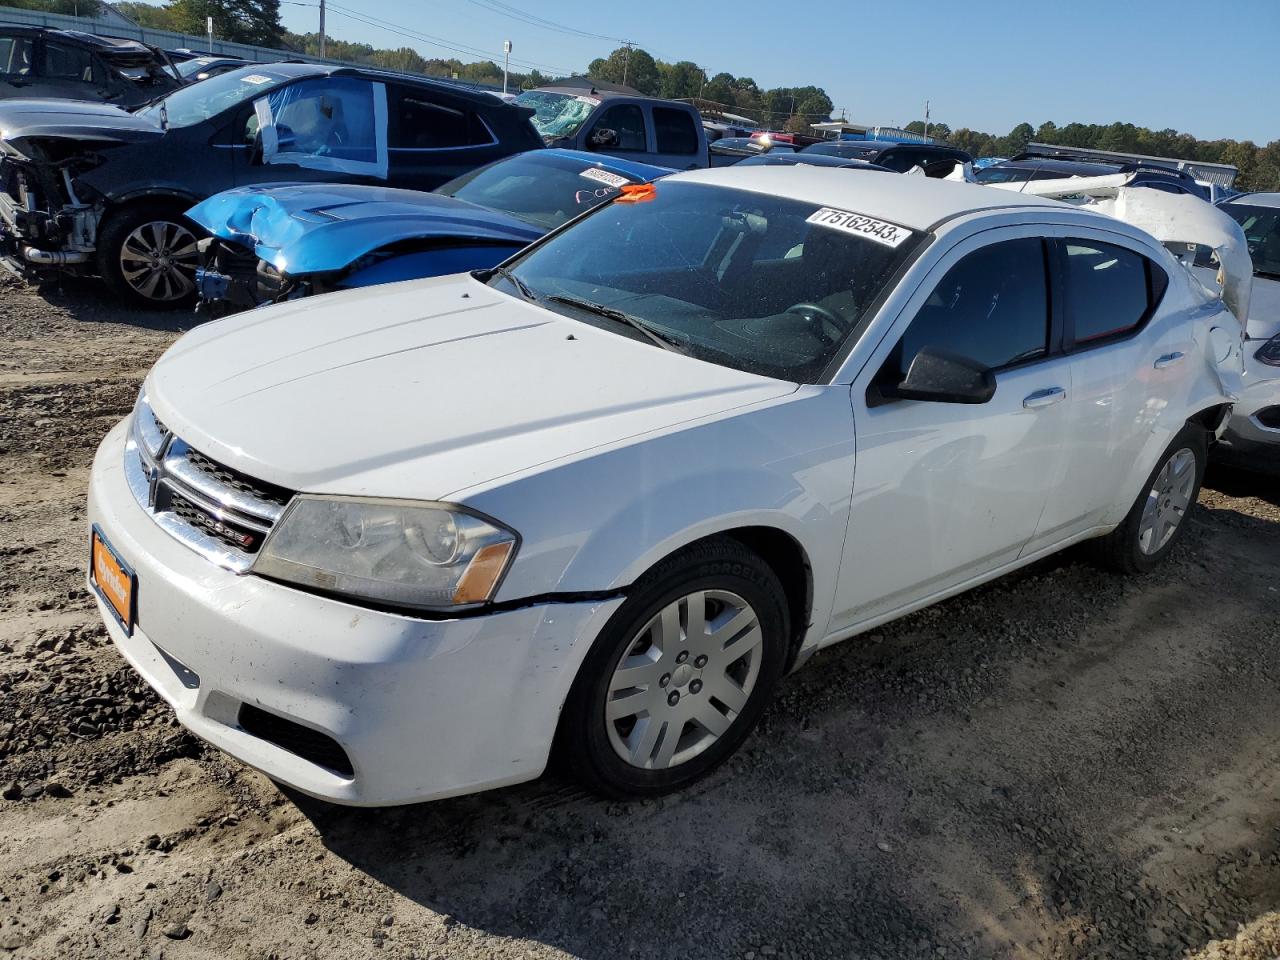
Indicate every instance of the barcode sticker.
{"type": "Point", "coordinates": [604, 176]}
{"type": "Point", "coordinates": [889, 234]}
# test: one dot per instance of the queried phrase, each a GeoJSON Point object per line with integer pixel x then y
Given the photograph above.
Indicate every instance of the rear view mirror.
{"type": "Point", "coordinates": [943, 377]}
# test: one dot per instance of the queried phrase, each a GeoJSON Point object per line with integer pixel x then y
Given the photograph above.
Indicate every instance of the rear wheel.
{"type": "Point", "coordinates": [1157, 520]}
{"type": "Point", "coordinates": [681, 673]}
{"type": "Point", "coordinates": [147, 255]}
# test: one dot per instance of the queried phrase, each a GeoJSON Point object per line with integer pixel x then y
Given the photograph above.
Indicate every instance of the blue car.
{"type": "Point", "coordinates": [276, 242]}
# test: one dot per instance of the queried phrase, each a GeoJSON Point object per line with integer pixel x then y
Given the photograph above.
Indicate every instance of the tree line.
{"type": "Point", "coordinates": [1259, 166]}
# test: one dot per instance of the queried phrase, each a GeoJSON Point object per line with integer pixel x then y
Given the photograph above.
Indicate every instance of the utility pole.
{"type": "Point", "coordinates": [209, 28]}
{"type": "Point", "coordinates": [926, 121]}
{"type": "Point", "coordinates": [626, 60]}
{"type": "Point", "coordinates": [506, 62]}
{"type": "Point", "coordinates": [321, 29]}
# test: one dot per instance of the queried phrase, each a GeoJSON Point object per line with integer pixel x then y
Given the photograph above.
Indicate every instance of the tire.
{"type": "Point", "coordinates": [147, 255]}
{"type": "Point", "coordinates": [679, 678]}
{"type": "Point", "coordinates": [1142, 541]}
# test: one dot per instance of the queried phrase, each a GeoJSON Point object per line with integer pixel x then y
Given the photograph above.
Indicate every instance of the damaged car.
{"type": "Point", "coordinates": [403, 542]}
{"type": "Point", "coordinates": [97, 189]}
{"type": "Point", "coordinates": [280, 242]}
{"type": "Point", "coordinates": [40, 62]}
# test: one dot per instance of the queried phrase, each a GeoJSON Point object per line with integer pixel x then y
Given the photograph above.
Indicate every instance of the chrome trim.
{"type": "Point", "coordinates": [158, 468]}
{"type": "Point", "coordinates": [181, 473]}
{"type": "Point", "coordinates": [210, 548]}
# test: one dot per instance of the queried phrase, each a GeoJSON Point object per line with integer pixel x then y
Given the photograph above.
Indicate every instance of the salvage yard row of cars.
{"type": "Point", "coordinates": [630, 441]}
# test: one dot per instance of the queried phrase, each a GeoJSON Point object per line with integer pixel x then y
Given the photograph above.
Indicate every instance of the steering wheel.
{"type": "Point", "coordinates": [812, 312]}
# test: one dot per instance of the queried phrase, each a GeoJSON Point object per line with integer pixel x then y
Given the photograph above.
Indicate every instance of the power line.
{"type": "Point", "coordinates": [456, 47]}
{"type": "Point", "coordinates": [506, 10]}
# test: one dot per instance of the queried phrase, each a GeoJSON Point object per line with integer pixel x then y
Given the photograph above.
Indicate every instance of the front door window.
{"type": "Point", "coordinates": [332, 123]}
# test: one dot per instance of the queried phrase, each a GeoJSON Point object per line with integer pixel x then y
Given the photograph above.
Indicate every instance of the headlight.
{"type": "Point", "coordinates": [400, 552]}
{"type": "Point", "coordinates": [1270, 352]}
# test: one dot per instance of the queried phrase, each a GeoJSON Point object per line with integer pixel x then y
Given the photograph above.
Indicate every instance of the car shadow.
{"type": "Point", "coordinates": [994, 775]}
{"type": "Point", "coordinates": [89, 301]}
{"type": "Point", "coordinates": [1237, 481]}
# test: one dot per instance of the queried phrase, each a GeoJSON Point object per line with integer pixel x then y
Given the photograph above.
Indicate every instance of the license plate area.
{"type": "Point", "coordinates": [113, 579]}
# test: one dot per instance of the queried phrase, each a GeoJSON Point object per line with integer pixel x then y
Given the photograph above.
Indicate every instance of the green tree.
{"type": "Point", "coordinates": [634, 67]}
{"type": "Point", "coordinates": [242, 21]}
{"type": "Point", "coordinates": [679, 81]}
{"type": "Point", "coordinates": [146, 14]}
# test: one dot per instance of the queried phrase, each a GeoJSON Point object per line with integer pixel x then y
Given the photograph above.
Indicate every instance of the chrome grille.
{"type": "Point", "coordinates": [214, 509]}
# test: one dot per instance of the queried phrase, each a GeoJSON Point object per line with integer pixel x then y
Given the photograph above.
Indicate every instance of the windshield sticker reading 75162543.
{"type": "Point", "coordinates": [889, 234]}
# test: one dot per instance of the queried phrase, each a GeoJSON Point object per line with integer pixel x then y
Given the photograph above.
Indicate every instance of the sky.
{"type": "Point", "coordinates": [1208, 68]}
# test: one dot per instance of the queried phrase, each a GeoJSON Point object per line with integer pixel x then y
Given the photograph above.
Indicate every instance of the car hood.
{"type": "Point", "coordinates": [1264, 309]}
{"type": "Point", "coordinates": [422, 389]}
{"type": "Point", "coordinates": [24, 120]}
{"type": "Point", "coordinates": [302, 229]}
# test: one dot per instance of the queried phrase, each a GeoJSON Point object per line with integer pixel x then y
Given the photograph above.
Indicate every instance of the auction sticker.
{"type": "Point", "coordinates": [256, 79]}
{"type": "Point", "coordinates": [604, 176]}
{"type": "Point", "coordinates": [888, 234]}
{"type": "Point", "coordinates": [591, 100]}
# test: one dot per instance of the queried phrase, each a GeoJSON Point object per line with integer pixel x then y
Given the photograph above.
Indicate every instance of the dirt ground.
{"type": "Point", "coordinates": [1063, 764]}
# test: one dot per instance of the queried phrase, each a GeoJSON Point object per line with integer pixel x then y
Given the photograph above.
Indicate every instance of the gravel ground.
{"type": "Point", "coordinates": [1063, 764]}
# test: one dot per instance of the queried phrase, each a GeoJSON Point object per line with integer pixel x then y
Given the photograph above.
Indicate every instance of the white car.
{"type": "Point", "coordinates": [398, 543]}
{"type": "Point", "coordinates": [1253, 435]}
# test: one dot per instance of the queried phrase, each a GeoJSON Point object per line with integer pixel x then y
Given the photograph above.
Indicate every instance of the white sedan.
{"type": "Point", "coordinates": [403, 542]}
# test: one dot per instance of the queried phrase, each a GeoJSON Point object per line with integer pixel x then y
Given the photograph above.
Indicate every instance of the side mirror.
{"type": "Point", "coordinates": [255, 147]}
{"type": "Point", "coordinates": [939, 376]}
{"type": "Point", "coordinates": [602, 138]}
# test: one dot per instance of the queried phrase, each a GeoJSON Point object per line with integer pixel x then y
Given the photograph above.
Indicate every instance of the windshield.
{"type": "Point", "coordinates": [756, 282]}
{"type": "Point", "coordinates": [194, 104]}
{"type": "Point", "coordinates": [192, 67]}
{"type": "Point", "coordinates": [557, 114]}
{"type": "Point", "coordinates": [539, 189]}
{"type": "Point", "coordinates": [1261, 227]}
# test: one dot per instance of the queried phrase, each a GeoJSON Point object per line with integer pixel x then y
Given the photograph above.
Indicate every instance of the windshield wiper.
{"type": "Point", "coordinates": [666, 341]}
{"type": "Point", "coordinates": [516, 282]}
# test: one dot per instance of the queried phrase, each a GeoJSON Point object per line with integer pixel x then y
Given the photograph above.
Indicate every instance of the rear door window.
{"type": "Point", "coordinates": [674, 131]}
{"type": "Point", "coordinates": [626, 120]}
{"type": "Point", "coordinates": [1109, 291]}
{"type": "Point", "coordinates": [421, 123]}
{"type": "Point", "coordinates": [62, 62]}
{"type": "Point", "coordinates": [992, 307]}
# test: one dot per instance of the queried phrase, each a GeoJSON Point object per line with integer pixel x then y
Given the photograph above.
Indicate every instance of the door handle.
{"type": "Point", "coordinates": [1169, 359]}
{"type": "Point", "coordinates": [1044, 398]}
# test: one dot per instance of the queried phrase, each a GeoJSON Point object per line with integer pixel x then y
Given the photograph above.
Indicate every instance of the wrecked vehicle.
{"type": "Point", "coordinates": [395, 543]}
{"type": "Point", "coordinates": [274, 243]}
{"type": "Point", "coordinates": [100, 190]}
{"type": "Point", "coordinates": [1253, 435]}
{"type": "Point", "coordinates": [39, 62]}
{"type": "Point", "coordinates": [936, 159]}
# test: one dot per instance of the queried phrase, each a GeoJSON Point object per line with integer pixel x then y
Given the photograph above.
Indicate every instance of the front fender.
{"type": "Point", "coordinates": [597, 523]}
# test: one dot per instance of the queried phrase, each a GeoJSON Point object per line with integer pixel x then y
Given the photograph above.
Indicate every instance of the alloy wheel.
{"type": "Point", "coordinates": [1168, 501]}
{"type": "Point", "coordinates": [683, 679]}
{"type": "Point", "coordinates": [158, 260]}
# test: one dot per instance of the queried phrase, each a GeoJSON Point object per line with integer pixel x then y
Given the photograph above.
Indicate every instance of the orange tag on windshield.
{"type": "Point", "coordinates": [637, 193]}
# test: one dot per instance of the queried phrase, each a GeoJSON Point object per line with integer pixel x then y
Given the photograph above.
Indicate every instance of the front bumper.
{"type": "Point", "coordinates": [422, 709]}
{"type": "Point", "coordinates": [1252, 436]}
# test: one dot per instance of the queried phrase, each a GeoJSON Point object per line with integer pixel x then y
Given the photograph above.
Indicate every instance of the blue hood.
{"type": "Point", "coordinates": [309, 228]}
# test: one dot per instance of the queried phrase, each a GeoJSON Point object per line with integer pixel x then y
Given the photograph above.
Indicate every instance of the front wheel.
{"type": "Point", "coordinates": [680, 675]}
{"type": "Point", "coordinates": [147, 255]}
{"type": "Point", "coordinates": [1158, 519]}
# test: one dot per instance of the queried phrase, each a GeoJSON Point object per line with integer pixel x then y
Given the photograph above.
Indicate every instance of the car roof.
{"type": "Point", "coordinates": [1255, 199]}
{"type": "Point", "coordinates": [105, 45]}
{"type": "Point", "coordinates": [293, 70]}
{"type": "Point", "coordinates": [810, 159]}
{"type": "Point", "coordinates": [915, 202]}
{"type": "Point", "coordinates": [1080, 167]}
{"type": "Point", "coordinates": [629, 168]}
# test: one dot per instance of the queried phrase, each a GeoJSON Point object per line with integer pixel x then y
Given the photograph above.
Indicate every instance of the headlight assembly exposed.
{"type": "Point", "coordinates": [404, 553]}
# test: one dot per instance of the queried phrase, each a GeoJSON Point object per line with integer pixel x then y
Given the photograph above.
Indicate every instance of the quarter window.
{"type": "Point", "coordinates": [1108, 290]}
{"type": "Point", "coordinates": [627, 121]}
{"type": "Point", "coordinates": [422, 124]}
{"type": "Point", "coordinates": [674, 131]}
{"type": "Point", "coordinates": [992, 307]}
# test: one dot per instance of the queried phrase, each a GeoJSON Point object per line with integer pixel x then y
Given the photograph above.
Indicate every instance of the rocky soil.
{"type": "Point", "coordinates": [1063, 764]}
